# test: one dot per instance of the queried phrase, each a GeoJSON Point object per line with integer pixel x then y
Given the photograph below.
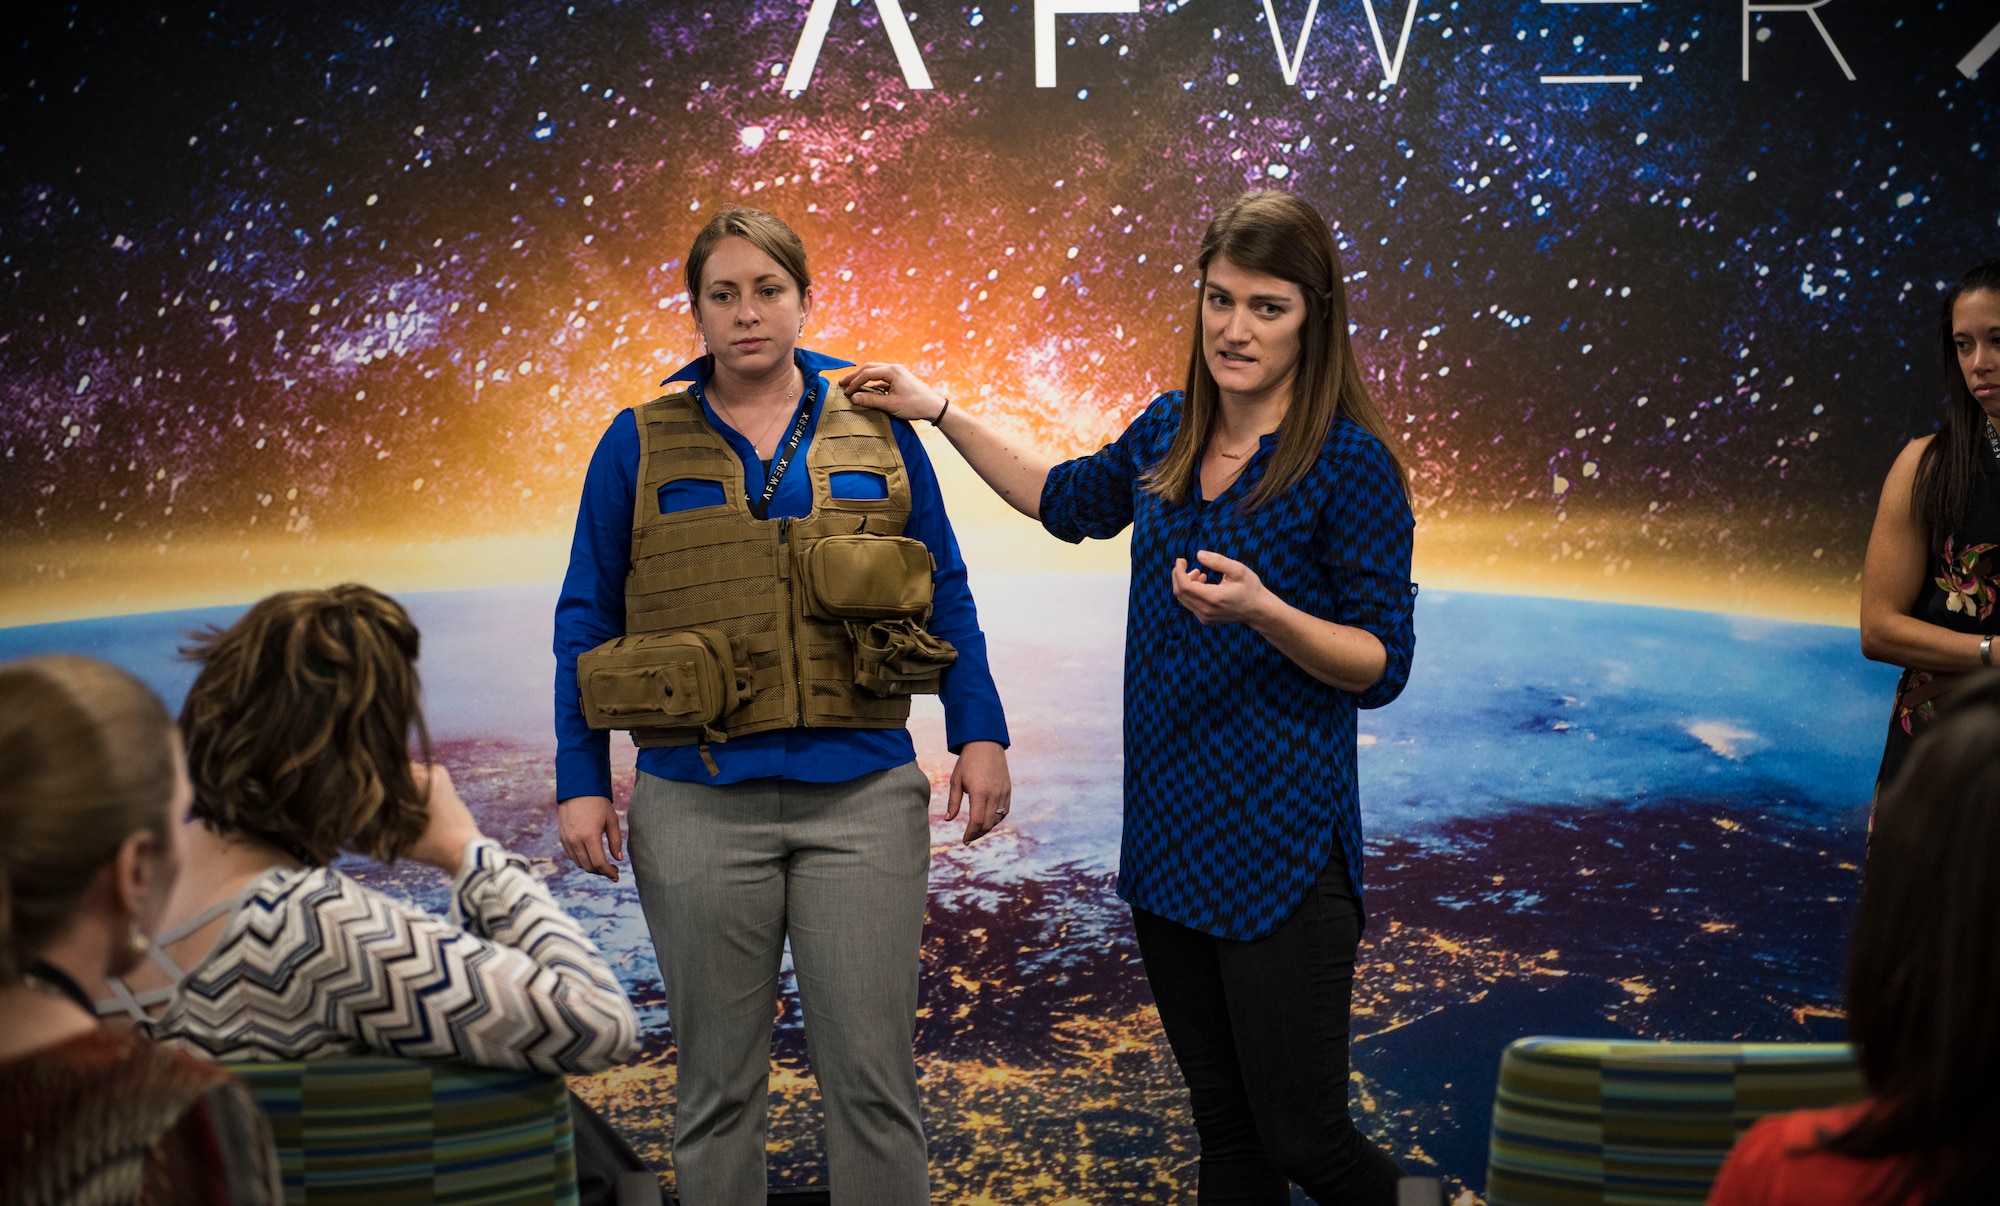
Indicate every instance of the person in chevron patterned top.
{"type": "Point", "coordinates": [1270, 598]}
{"type": "Point", "coordinates": [298, 729]}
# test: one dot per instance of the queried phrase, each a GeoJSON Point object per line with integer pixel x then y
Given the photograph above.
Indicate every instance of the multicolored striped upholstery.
{"type": "Point", "coordinates": [1625, 1123]}
{"type": "Point", "coordinates": [376, 1131]}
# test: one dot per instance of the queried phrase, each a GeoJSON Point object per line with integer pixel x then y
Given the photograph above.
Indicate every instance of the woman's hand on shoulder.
{"type": "Point", "coordinates": [450, 827]}
{"type": "Point", "coordinates": [893, 389]}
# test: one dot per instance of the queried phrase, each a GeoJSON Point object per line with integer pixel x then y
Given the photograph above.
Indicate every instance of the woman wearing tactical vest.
{"type": "Point", "coordinates": [1272, 473]}
{"type": "Point", "coordinates": [762, 576]}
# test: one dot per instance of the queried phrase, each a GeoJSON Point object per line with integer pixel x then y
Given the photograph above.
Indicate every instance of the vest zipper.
{"type": "Point", "coordinates": [791, 608]}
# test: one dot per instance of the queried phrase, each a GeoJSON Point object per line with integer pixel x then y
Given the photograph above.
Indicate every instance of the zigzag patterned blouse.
{"type": "Point", "coordinates": [1239, 766]}
{"type": "Point", "coordinates": [312, 965]}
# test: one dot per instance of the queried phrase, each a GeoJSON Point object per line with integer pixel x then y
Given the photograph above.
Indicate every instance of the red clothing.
{"type": "Point", "coordinates": [1777, 1162]}
{"type": "Point", "coordinates": [113, 1118]}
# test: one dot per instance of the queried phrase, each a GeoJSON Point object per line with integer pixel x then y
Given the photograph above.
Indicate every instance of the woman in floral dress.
{"type": "Point", "coordinates": [1931, 583]}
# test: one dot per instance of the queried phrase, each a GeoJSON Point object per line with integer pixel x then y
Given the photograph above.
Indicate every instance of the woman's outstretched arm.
{"type": "Point", "coordinates": [1017, 473]}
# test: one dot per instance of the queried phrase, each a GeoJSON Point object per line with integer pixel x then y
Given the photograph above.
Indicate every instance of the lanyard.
{"type": "Point", "coordinates": [761, 506]}
{"type": "Point", "coordinates": [783, 461]}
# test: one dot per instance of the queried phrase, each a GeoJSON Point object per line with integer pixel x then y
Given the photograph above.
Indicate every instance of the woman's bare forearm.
{"type": "Point", "coordinates": [1016, 472]}
{"type": "Point", "coordinates": [1339, 655]}
{"type": "Point", "coordinates": [1904, 640]}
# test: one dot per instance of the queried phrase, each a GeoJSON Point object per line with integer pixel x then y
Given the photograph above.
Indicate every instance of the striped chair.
{"type": "Point", "coordinates": [1626, 1123]}
{"type": "Point", "coordinates": [376, 1131]}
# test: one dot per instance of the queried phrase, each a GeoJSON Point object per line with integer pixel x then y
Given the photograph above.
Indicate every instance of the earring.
{"type": "Point", "coordinates": [138, 941]}
{"type": "Point", "coordinates": [802, 326]}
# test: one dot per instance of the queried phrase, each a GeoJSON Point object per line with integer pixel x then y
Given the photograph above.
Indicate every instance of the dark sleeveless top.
{"type": "Point", "coordinates": [1961, 592]}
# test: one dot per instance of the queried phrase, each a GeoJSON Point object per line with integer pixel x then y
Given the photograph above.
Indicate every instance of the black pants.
{"type": "Point", "coordinates": [1260, 1032]}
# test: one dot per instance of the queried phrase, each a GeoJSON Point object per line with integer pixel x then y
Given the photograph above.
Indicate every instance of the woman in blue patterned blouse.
{"type": "Point", "coordinates": [1271, 597]}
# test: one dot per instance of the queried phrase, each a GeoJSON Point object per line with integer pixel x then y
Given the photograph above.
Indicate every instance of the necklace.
{"type": "Point", "coordinates": [1255, 442]}
{"type": "Point", "coordinates": [729, 416]}
{"type": "Point", "coordinates": [46, 977]}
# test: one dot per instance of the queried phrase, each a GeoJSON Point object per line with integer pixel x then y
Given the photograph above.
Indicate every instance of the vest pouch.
{"type": "Point", "coordinates": [896, 657]}
{"type": "Point", "coordinates": [862, 577]}
{"type": "Point", "coordinates": [685, 680]}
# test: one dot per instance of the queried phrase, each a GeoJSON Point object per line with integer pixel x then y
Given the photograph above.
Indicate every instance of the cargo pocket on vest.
{"type": "Point", "coordinates": [863, 577]}
{"type": "Point", "coordinates": [686, 681]}
{"type": "Point", "coordinates": [897, 657]}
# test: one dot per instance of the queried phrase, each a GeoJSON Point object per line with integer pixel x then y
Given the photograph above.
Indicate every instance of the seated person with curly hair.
{"type": "Point", "coordinates": [298, 733]}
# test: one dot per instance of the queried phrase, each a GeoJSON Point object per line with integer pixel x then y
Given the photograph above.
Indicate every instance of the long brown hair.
{"type": "Point", "coordinates": [1275, 233]}
{"type": "Point", "coordinates": [1923, 970]}
{"type": "Point", "coordinates": [1950, 462]}
{"type": "Point", "coordinates": [298, 727]}
{"type": "Point", "coordinates": [86, 761]}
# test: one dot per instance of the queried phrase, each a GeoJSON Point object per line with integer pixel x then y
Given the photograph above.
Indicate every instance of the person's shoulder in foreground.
{"type": "Point", "coordinates": [111, 1109]}
{"type": "Point", "coordinates": [1779, 1162]}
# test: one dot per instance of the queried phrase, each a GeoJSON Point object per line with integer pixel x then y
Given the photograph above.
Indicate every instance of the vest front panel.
{"type": "Point", "coordinates": [722, 567]}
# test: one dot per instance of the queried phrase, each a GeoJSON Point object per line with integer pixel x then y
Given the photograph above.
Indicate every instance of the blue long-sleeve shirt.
{"type": "Point", "coordinates": [1239, 765]}
{"type": "Point", "coordinates": [591, 610]}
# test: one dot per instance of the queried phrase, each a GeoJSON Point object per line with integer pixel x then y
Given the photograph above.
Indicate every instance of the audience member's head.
{"type": "Point", "coordinates": [1966, 318]}
{"type": "Point", "coordinates": [1923, 992]}
{"type": "Point", "coordinates": [90, 772]}
{"type": "Point", "coordinates": [1969, 343]}
{"type": "Point", "coordinates": [298, 726]}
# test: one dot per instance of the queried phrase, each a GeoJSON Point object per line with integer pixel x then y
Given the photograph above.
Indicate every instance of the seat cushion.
{"type": "Point", "coordinates": [377, 1131]}
{"type": "Point", "coordinates": [1627, 1123]}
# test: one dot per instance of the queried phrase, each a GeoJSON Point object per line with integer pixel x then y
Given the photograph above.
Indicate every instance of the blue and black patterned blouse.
{"type": "Point", "coordinates": [1239, 766]}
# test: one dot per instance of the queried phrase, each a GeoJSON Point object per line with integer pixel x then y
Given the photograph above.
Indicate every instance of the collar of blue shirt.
{"type": "Point", "coordinates": [812, 363]}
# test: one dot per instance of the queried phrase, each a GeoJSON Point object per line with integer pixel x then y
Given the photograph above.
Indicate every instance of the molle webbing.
{"type": "Point", "coordinates": [721, 567]}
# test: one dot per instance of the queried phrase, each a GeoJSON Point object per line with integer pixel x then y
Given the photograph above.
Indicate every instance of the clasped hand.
{"type": "Point", "coordinates": [1239, 598]}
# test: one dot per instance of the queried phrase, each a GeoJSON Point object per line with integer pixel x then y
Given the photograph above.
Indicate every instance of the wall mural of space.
{"type": "Point", "coordinates": [302, 294]}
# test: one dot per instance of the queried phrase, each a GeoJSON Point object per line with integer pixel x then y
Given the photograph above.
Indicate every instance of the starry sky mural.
{"type": "Point", "coordinates": [276, 276]}
{"type": "Point", "coordinates": [298, 293]}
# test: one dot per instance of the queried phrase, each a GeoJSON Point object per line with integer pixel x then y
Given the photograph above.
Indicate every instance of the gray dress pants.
{"type": "Point", "coordinates": [725, 874]}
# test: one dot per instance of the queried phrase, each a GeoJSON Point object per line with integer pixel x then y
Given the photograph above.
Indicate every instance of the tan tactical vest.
{"type": "Point", "coordinates": [736, 625]}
